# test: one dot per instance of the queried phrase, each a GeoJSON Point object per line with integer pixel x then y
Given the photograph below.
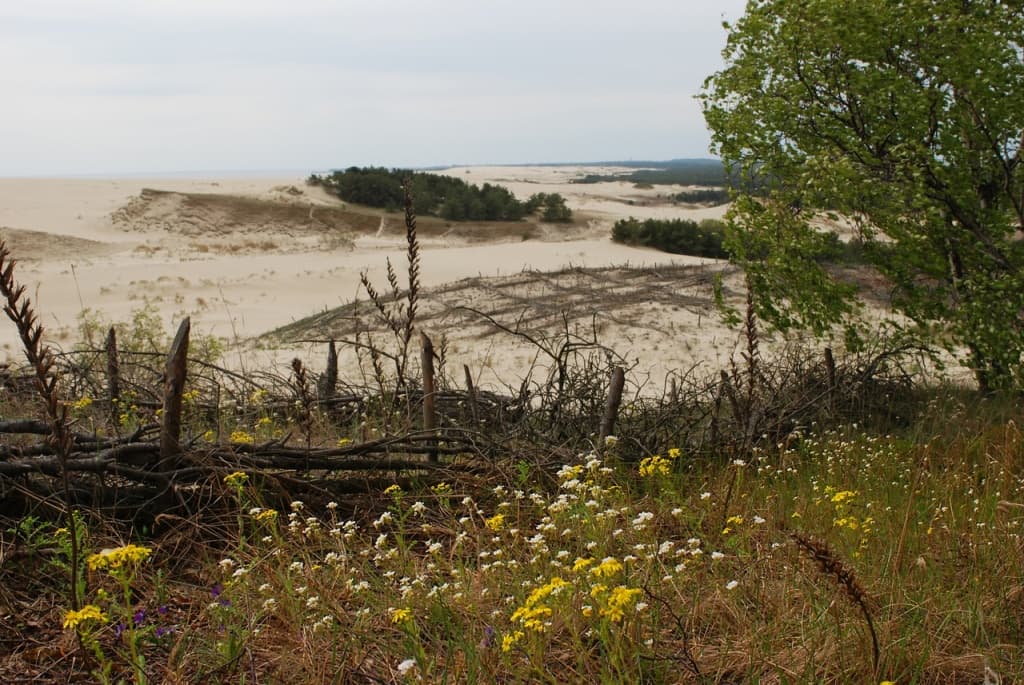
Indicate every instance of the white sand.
{"type": "Point", "coordinates": [95, 244]}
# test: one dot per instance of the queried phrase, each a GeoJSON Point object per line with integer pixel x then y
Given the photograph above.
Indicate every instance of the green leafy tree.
{"type": "Point", "coordinates": [907, 118]}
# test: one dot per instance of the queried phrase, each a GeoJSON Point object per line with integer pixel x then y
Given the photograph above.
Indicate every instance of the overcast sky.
{"type": "Point", "coordinates": [135, 86]}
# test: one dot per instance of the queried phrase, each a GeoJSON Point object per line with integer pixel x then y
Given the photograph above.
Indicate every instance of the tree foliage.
{"type": "Point", "coordinates": [907, 118]}
{"type": "Point", "coordinates": [677, 236]}
{"type": "Point", "coordinates": [438, 195]}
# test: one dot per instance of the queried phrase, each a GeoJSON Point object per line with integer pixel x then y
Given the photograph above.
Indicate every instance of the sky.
{"type": "Point", "coordinates": [163, 86]}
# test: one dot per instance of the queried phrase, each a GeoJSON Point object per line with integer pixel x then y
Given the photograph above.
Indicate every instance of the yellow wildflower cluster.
{"type": "Point", "coordinates": [266, 515]}
{"type": "Point", "coordinates": [659, 465]}
{"type": "Point", "coordinates": [730, 522]}
{"type": "Point", "coordinates": [394, 490]}
{"type": "Point", "coordinates": [442, 489]}
{"type": "Point", "coordinates": [118, 558]}
{"type": "Point", "coordinates": [82, 404]}
{"type": "Point", "coordinates": [533, 614]}
{"type": "Point", "coordinates": [496, 522]}
{"type": "Point", "coordinates": [90, 612]}
{"type": "Point", "coordinates": [344, 442]}
{"type": "Point", "coordinates": [510, 640]}
{"type": "Point", "coordinates": [617, 602]}
{"type": "Point", "coordinates": [581, 564]}
{"type": "Point", "coordinates": [242, 437]}
{"type": "Point", "coordinates": [608, 567]}
{"type": "Point", "coordinates": [236, 479]}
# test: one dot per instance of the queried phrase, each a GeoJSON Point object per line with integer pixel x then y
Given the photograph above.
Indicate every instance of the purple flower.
{"type": "Point", "coordinates": [163, 631]}
{"type": "Point", "coordinates": [162, 610]}
{"type": "Point", "coordinates": [216, 591]}
{"type": "Point", "coordinates": [488, 640]}
{"type": "Point", "coordinates": [139, 616]}
{"type": "Point", "coordinates": [119, 630]}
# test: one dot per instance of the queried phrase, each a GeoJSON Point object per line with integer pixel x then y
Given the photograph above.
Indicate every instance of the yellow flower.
{"type": "Point", "coordinates": [496, 522]}
{"type": "Point", "coordinates": [401, 615]}
{"type": "Point", "coordinates": [581, 564]}
{"type": "Point", "coordinates": [843, 496]}
{"type": "Point", "coordinates": [734, 520]}
{"type": "Point", "coordinates": [344, 442]}
{"type": "Point", "coordinates": [82, 404]}
{"type": "Point", "coordinates": [266, 515]}
{"type": "Point", "coordinates": [263, 422]}
{"type": "Point", "coordinates": [621, 599]}
{"type": "Point", "coordinates": [393, 490]}
{"type": "Point", "coordinates": [674, 453]}
{"type": "Point", "coordinates": [652, 466]}
{"type": "Point", "coordinates": [508, 641]}
{"type": "Point", "coordinates": [241, 436]}
{"type": "Point", "coordinates": [258, 396]}
{"type": "Point", "coordinates": [236, 479]}
{"type": "Point", "coordinates": [209, 435]}
{"type": "Point", "coordinates": [442, 489]}
{"type": "Point", "coordinates": [90, 612]}
{"type": "Point", "coordinates": [118, 558]}
{"type": "Point", "coordinates": [609, 566]}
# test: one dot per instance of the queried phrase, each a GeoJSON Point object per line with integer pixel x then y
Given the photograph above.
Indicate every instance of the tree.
{"type": "Point", "coordinates": [906, 117]}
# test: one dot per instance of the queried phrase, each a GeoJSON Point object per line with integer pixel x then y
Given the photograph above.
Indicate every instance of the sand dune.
{"type": "Point", "coordinates": [244, 257]}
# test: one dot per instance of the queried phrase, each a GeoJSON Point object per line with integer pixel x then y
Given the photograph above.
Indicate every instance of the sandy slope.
{"type": "Point", "coordinates": [244, 256]}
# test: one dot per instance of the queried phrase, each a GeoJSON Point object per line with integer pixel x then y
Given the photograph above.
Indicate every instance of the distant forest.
{"type": "Point", "coordinates": [691, 172]}
{"type": "Point", "coordinates": [442, 196]}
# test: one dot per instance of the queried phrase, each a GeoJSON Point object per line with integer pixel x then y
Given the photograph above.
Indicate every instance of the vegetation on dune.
{"type": "Point", "coordinates": [678, 236]}
{"type": "Point", "coordinates": [904, 117]}
{"type": "Point", "coordinates": [709, 196]}
{"type": "Point", "coordinates": [698, 172]}
{"type": "Point", "coordinates": [784, 561]}
{"type": "Point", "coordinates": [438, 195]}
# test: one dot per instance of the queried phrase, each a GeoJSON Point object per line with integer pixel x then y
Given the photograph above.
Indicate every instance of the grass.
{"type": "Point", "coordinates": [669, 570]}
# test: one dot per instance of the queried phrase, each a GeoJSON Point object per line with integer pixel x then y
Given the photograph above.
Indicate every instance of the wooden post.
{"type": "Point", "coordinates": [113, 374]}
{"type": "Point", "coordinates": [830, 371]}
{"type": "Point", "coordinates": [331, 374]}
{"type": "Point", "coordinates": [472, 395]}
{"type": "Point", "coordinates": [174, 386]}
{"type": "Point", "coordinates": [611, 407]}
{"type": "Point", "coordinates": [429, 408]}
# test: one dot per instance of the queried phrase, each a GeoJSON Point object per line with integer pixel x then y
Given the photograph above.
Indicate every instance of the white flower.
{"type": "Point", "coordinates": [758, 519]}
{"type": "Point", "coordinates": [406, 666]}
{"type": "Point", "coordinates": [297, 505]}
{"type": "Point", "coordinates": [332, 505]}
{"type": "Point", "coordinates": [716, 555]}
{"type": "Point", "coordinates": [732, 585]}
{"type": "Point", "coordinates": [418, 508]}
{"type": "Point", "coordinates": [738, 462]}
{"type": "Point", "coordinates": [705, 495]}
{"type": "Point", "coordinates": [226, 564]}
